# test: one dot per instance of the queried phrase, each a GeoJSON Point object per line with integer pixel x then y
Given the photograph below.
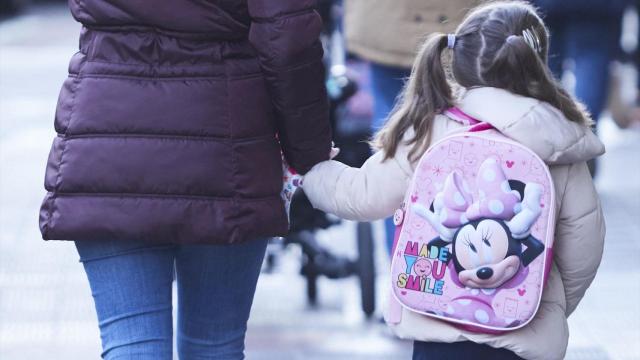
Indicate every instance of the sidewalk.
{"type": "Point", "coordinates": [46, 311]}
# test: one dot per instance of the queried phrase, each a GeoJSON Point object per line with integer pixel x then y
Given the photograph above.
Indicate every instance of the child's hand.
{"type": "Point", "coordinates": [291, 180]}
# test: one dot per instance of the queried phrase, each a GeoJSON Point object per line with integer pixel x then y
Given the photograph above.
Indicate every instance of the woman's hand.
{"type": "Point", "coordinates": [334, 151]}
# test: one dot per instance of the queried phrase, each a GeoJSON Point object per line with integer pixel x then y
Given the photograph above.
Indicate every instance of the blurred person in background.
{"type": "Point", "coordinates": [587, 32]}
{"type": "Point", "coordinates": [167, 158]}
{"type": "Point", "coordinates": [624, 99]}
{"type": "Point", "coordinates": [388, 33]}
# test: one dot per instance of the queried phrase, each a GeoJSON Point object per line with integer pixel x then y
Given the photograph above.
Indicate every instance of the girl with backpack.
{"type": "Point", "coordinates": [498, 76]}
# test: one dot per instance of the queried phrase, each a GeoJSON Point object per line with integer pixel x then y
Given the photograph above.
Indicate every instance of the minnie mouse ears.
{"type": "Point", "coordinates": [454, 206]}
{"type": "Point", "coordinates": [496, 199]}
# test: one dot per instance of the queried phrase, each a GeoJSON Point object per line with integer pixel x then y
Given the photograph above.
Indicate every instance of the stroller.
{"type": "Point", "coordinates": [350, 135]}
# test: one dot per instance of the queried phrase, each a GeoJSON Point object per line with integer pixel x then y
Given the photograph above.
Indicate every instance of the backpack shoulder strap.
{"type": "Point", "coordinates": [456, 114]}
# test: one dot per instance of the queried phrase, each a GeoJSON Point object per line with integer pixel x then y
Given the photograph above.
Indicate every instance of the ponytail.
{"type": "Point", "coordinates": [491, 49]}
{"type": "Point", "coordinates": [426, 93]}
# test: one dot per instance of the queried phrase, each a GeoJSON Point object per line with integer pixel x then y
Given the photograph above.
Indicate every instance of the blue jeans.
{"type": "Point", "coordinates": [131, 284]}
{"type": "Point", "coordinates": [386, 84]}
{"type": "Point", "coordinates": [459, 350]}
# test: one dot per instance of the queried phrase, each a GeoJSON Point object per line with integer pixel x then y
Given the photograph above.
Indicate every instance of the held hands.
{"type": "Point", "coordinates": [334, 152]}
{"type": "Point", "coordinates": [292, 180]}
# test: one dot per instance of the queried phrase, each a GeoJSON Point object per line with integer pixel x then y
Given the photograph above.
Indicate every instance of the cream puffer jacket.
{"type": "Point", "coordinates": [377, 189]}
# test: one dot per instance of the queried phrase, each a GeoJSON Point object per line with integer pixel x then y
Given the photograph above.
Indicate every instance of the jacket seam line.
{"type": "Point", "coordinates": [206, 65]}
{"type": "Point", "coordinates": [281, 16]}
{"type": "Point", "coordinates": [219, 139]}
{"type": "Point", "coordinates": [307, 106]}
{"type": "Point", "coordinates": [525, 114]}
{"type": "Point", "coordinates": [164, 196]}
{"type": "Point", "coordinates": [234, 160]}
{"type": "Point", "coordinates": [533, 107]}
{"type": "Point", "coordinates": [165, 78]}
{"type": "Point", "coordinates": [291, 68]}
{"type": "Point", "coordinates": [176, 66]}
{"type": "Point", "coordinates": [148, 29]}
{"type": "Point", "coordinates": [590, 212]}
{"type": "Point", "coordinates": [56, 185]}
{"type": "Point", "coordinates": [271, 52]}
{"type": "Point", "coordinates": [573, 144]}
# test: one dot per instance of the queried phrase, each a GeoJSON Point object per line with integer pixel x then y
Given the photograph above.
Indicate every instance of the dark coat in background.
{"type": "Point", "coordinates": [585, 9]}
{"type": "Point", "coordinates": [168, 120]}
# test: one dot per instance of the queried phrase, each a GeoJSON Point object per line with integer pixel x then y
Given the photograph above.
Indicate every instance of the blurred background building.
{"type": "Point", "coordinates": [333, 309]}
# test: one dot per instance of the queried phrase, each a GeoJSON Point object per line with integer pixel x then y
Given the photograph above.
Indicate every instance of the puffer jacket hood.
{"type": "Point", "coordinates": [533, 123]}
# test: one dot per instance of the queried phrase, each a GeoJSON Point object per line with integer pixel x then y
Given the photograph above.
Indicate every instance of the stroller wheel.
{"type": "Point", "coordinates": [366, 268]}
{"type": "Point", "coordinates": [312, 289]}
{"type": "Point", "coordinates": [310, 273]}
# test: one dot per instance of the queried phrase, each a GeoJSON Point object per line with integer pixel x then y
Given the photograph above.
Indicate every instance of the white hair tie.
{"type": "Point", "coordinates": [451, 40]}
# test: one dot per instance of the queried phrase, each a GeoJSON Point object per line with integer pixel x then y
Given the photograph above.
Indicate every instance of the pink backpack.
{"type": "Point", "coordinates": [475, 232]}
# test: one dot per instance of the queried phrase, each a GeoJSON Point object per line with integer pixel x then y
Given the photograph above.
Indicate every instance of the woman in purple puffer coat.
{"type": "Point", "coordinates": [170, 127]}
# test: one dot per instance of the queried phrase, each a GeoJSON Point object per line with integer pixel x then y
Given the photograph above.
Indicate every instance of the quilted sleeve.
{"type": "Point", "coordinates": [579, 235]}
{"type": "Point", "coordinates": [373, 191]}
{"type": "Point", "coordinates": [285, 34]}
{"type": "Point", "coordinates": [369, 193]}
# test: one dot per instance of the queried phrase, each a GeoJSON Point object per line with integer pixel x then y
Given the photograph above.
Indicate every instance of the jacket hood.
{"type": "Point", "coordinates": [533, 123]}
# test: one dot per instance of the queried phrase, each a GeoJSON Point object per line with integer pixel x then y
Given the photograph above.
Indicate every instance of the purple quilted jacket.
{"type": "Point", "coordinates": [168, 120]}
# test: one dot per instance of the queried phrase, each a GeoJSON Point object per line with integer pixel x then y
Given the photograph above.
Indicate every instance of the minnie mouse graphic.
{"type": "Point", "coordinates": [490, 239]}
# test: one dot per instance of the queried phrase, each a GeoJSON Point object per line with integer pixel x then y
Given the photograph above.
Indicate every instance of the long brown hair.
{"type": "Point", "coordinates": [502, 44]}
